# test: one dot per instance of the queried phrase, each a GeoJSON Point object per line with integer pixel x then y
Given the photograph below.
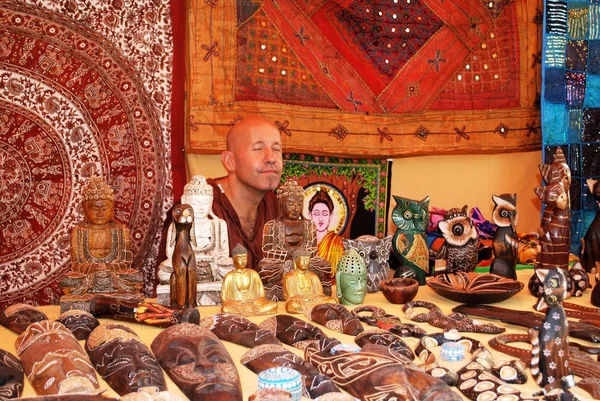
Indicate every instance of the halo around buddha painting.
{"type": "Point", "coordinates": [340, 212]}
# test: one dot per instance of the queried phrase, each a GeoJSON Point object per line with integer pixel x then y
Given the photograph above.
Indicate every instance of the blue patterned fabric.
{"type": "Point", "coordinates": [571, 99]}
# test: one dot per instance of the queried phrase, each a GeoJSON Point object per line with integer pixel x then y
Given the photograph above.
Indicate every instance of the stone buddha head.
{"type": "Point", "coordinates": [239, 255]}
{"type": "Point", "coordinates": [98, 201]}
{"type": "Point", "coordinates": [17, 317]}
{"type": "Point", "coordinates": [54, 361]}
{"type": "Point", "coordinates": [80, 323]}
{"type": "Point", "coordinates": [123, 360]}
{"type": "Point", "coordinates": [199, 195]}
{"type": "Point", "coordinates": [198, 363]}
{"type": "Point", "coordinates": [301, 259]}
{"type": "Point", "coordinates": [351, 278]}
{"type": "Point", "coordinates": [291, 200]}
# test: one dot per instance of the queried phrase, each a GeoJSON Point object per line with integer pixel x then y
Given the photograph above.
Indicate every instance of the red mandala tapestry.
{"type": "Point", "coordinates": [368, 77]}
{"type": "Point", "coordinates": [81, 94]}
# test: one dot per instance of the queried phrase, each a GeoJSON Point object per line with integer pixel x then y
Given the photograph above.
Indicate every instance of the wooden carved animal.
{"type": "Point", "coordinates": [411, 218]}
{"type": "Point", "coordinates": [550, 346]}
{"type": "Point", "coordinates": [375, 252]}
{"type": "Point", "coordinates": [555, 235]}
{"type": "Point", "coordinates": [506, 241]}
{"type": "Point", "coordinates": [590, 252]}
{"type": "Point", "coordinates": [557, 171]}
{"type": "Point", "coordinates": [462, 241]}
{"type": "Point", "coordinates": [183, 279]}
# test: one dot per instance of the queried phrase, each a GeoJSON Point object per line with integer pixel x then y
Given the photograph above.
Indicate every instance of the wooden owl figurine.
{"type": "Point", "coordinates": [183, 280]}
{"type": "Point", "coordinates": [411, 218]}
{"type": "Point", "coordinates": [550, 346]}
{"type": "Point", "coordinates": [462, 241]}
{"type": "Point", "coordinates": [506, 242]}
{"type": "Point", "coordinates": [590, 250]}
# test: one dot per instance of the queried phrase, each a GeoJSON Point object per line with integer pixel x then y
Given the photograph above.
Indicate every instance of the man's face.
{"type": "Point", "coordinates": [99, 211]}
{"type": "Point", "coordinates": [258, 160]}
{"type": "Point", "coordinates": [321, 215]}
{"type": "Point", "coordinates": [292, 207]}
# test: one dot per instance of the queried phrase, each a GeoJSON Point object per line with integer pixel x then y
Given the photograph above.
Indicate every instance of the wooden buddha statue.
{"type": "Point", "coordinates": [285, 234]}
{"type": "Point", "coordinates": [302, 288]}
{"type": "Point", "coordinates": [100, 248]}
{"type": "Point", "coordinates": [243, 292]}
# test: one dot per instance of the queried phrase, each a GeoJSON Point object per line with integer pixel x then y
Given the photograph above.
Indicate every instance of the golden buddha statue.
{"type": "Point", "coordinates": [286, 234]}
{"type": "Point", "coordinates": [243, 292]}
{"type": "Point", "coordinates": [302, 289]}
{"type": "Point", "coordinates": [100, 248]}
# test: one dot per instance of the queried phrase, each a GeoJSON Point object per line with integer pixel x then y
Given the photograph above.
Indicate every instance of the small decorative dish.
{"type": "Point", "coordinates": [473, 288]}
{"type": "Point", "coordinates": [400, 290]}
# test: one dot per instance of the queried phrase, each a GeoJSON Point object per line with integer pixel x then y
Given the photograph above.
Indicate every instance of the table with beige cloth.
{"type": "Point", "coordinates": [521, 301]}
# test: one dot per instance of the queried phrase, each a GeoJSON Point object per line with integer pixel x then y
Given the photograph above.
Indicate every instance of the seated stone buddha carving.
{"type": "Point", "coordinates": [285, 234]}
{"type": "Point", "coordinates": [100, 248]}
{"type": "Point", "coordinates": [301, 288]}
{"type": "Point", "coordinates": [210, 243]}
{"type": "Point", "coordinates": [243, 292]}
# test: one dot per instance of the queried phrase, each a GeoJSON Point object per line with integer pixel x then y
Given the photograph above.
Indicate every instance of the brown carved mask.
{"type": "Point", "coordinates": [336, 317]}
{"type": "Point", "coordinates": [17, 317]}
{"type": "Point", "coordinates": [54, 361]}
{"type": "Point", "coordinates": [238, 330]}
{"type": "Point", "coordinates": [293, 331]}
{"type": "Point", "coordinates": [198, 363]}
{"type": "Point", "coordinates": [123, 360]}
{"type": "Point", "coordinates": [80, 323]}
{"type": "Point", "coordinates": [11, 376]}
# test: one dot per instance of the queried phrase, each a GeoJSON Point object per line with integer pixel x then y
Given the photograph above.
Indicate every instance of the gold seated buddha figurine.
{"type": "Point", "coordinates": [210, 243]}
{"type": "Point", "coordinates": [285, 234]}
{"type": "Point", "coordinates": [243, 292]}
{"type": "Point", "coordinates": [302, 289]}
{"type": "Point", "coordinates": [100, 248]}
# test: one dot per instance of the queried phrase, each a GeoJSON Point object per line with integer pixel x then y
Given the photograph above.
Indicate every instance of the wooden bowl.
{"type": "Point", "coordinates": [473, 288]}
{"type": "Point", "coordinates": [400, 290]}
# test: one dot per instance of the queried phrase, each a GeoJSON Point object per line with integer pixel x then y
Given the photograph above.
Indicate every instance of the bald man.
{"type": "Point", "coordinates": [245, 198]}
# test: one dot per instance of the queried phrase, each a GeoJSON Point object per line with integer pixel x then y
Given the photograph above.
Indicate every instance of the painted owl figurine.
{"type": "Point", "coordinates": [506, 242]}
{"type": "Point", "coordinates": [375, 252]}
{"type": "Point", "coordinates": [462, 241]}
{"type": "Point", "coordinates": [411, 218]}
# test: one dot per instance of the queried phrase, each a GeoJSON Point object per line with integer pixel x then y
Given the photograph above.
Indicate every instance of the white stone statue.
{"type": "Point", "coordinates": [209, 241]}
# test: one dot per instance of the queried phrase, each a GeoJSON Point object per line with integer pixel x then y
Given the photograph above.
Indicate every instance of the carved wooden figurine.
{"type": "Point", "coordinates": [462, 241]}
{"type": "Point", "coordinates": [351, 279]}
{"type": "Point", "coordinates": [123, 360]}
{"type": "Point", "coordinates": [506, 241]}
{"type": "Point", "coordinates": [550, 346]}
{"type": "Point", "coordinates": [100, 248]}
{"type": "Point", "coordinates": [210, 244]}
{"type": "Point", "coordinates": [282, 236]}
{"type": "Point", "coordinates": [242, 292]}
{"type": "Point", "coordinates": [183, 279]}
{"type": "Point", "coordinates": [54, 361]}
{"type": "Point", "coordinates": [301, 288]}
{"type": "Point", "coordinates": [411, 218]}
{"type": "Point", "coordinates": [198, 363]}
{"type": "Point", "coordinates": [590, 253]}
{"type": "Point", "coordinates": [375, 252]}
